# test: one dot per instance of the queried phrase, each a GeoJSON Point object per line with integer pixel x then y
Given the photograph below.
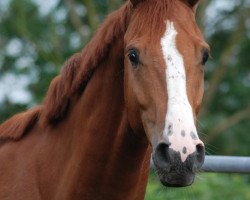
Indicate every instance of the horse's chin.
{"type": "Point", "coordinates": [172, 182]}
{"type": "Point", "coordinates": [172, 179]}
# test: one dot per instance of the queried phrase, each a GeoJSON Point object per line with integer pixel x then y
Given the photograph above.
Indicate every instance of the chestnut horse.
{"type": "Point", "coordinates": [135, 90]}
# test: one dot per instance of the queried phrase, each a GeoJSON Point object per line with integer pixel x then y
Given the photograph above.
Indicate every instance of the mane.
{"type": "Point", "coordinates": [77, 72]}
{"type": "Point", "coordinates": [18, 125]}
{"type": "Point", "coordinates": [72, 80]}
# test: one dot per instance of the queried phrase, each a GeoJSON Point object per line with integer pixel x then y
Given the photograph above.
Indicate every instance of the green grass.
{"type": "Point", "coordinates": [206, 187]}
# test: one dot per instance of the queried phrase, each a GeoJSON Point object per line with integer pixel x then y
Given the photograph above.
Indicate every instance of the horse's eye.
{"type": "Point", "coordinates": [133, 57]}
{"type": "Point", "coordinates": [205, 56]}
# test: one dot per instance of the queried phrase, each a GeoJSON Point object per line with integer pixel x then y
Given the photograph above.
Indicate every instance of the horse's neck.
{"type": "Point", "coordinates": [107, 159]}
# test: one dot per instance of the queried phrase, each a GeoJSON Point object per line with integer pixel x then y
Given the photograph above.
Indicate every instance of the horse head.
{"type": "Point", "coordinates": [165, 54]}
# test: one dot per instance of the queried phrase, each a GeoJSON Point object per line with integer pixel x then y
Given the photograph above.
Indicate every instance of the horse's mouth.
{"type": "Point", "coordinates": [176, 180]}
{"type": "Point", "coordinates": [171, 169]}
{"type": "Point", "coordinates": [178, 175]}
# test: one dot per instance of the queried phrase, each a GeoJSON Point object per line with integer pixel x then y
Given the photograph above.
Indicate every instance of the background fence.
{"type": "Point", "coordinates": [227, 164]}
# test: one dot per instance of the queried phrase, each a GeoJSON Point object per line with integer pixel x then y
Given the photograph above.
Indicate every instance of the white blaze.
{"type": "Point", "coordinates": [179, 122]}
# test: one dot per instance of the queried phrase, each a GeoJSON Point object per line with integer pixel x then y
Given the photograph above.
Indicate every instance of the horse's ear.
{"type": "Point", "coordinates": [135, 2]}
{"type": "Point", "coordinates": [192, 3]}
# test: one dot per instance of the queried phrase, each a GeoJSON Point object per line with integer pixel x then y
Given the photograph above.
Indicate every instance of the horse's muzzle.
{"type": "Point", "coordinates": [172, 171]}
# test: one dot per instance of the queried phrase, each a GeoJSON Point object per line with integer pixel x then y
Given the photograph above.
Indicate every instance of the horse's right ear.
{"type": "Point", "coordinates": [135, 2]}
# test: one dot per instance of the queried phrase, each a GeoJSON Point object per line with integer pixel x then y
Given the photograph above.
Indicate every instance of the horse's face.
{"type": "Point", "coordinates": [164, 67]}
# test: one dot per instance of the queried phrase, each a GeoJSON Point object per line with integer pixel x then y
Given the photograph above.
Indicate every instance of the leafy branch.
{"type": "Point", "coordinates": [229, 122]}
{"type": "Point", "coordinates": [221, 70]}
{"type": "Point", "coordinates": [75, 19]}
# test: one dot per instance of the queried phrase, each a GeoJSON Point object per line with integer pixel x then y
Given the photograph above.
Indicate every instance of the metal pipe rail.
{"type": "Point", "coordinates": [227, 164]}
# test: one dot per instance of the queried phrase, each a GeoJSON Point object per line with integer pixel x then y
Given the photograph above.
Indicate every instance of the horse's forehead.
{"type": "Point", "coordinates": [154, 27]}
{"type": "Point", "coordinates": [149, 38]}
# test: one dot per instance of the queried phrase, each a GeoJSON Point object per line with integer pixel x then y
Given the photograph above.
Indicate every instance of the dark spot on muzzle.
{"type": "Point", "coordinates": [170, 129]}
{"type": "Point", "coordinates": [183, 133]}
{"type": "Point", "coordinates": [193, 135]}
{"type": "Point", "coordinates": [184, 150]}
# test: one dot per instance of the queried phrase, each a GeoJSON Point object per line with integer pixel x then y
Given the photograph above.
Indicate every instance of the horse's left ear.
{"type": "Point", "coordinates": [192, 3]}
{"type": "Point", "coordinates": [135, 2]}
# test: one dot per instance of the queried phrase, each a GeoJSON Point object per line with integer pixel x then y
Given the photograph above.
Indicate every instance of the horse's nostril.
{"type": "Point", "coordinates": [200, 153]}
{"type": "Point", "coordinates": [200, 149]}
{"type": "Point", "coordinates": [162, 150]}
{"type": "Point", "coordinates": [162, 155]}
